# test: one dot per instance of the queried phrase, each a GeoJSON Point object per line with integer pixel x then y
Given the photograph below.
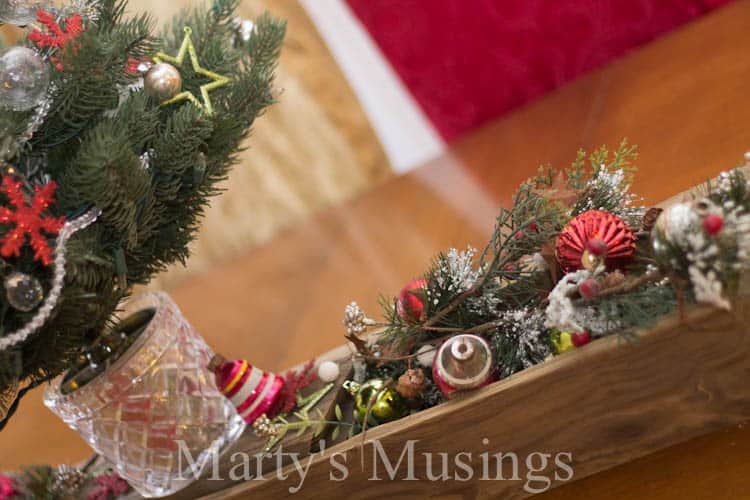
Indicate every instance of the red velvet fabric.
{"type": "Point", "coordinates": [468, 61]}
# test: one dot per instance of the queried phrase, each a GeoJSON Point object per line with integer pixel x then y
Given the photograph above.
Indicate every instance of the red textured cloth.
{"type": "Point", "coordinates": [468, 61]}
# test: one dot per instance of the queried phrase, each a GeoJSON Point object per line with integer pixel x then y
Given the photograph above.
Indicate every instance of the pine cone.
{"type": "Point", "coordinates": [411, 384]}
{"type": "Point", "coordinates": [649, 220]}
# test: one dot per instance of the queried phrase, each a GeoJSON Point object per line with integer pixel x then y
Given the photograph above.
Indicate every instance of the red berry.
{"type": "Point", "coordinates": [597, 247]}
{"type": "Point", "coordinates": [410, 303]}
{"type": "Point", "coordinates": [589, 289]}
{"type": "Point", "coordinates": [581, 338]}
{"type": "Point", "coordinates": [531, 228]}
{"type": "Point", "coordinates": [713, 223]}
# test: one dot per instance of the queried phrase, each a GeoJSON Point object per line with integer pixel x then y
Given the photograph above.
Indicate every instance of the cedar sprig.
{"type": "Point", "coordinates": [605, 184]}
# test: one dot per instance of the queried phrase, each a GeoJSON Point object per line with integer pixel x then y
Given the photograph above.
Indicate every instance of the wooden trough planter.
{"type": "Point", "coordinates": [580, 413]}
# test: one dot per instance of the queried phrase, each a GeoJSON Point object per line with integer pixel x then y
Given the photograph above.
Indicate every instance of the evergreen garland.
{"type": "Point", "coordinates": [517, 297]}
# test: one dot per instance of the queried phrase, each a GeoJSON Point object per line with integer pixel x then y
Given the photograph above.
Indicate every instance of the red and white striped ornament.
{"type": "Point", "coordinates": [252, 391]}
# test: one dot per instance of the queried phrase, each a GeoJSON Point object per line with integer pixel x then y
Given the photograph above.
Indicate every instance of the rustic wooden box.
{"type": "Point", "coordinates": [605, 404]}
{"type": "Point", "coordinates": [585, 411]}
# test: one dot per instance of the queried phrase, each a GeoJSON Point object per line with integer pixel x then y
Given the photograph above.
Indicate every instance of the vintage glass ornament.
{"type": "Point", "coordinates": [23, 292]}
{"type": "Point", "coordinates": [18, 12]}
{"type": "Point", "coordinates": [163, 81]}
{"type": "Point", "coordinates": [252, 391]}
{"type": "Point", "coordinates": [24, 78]}
{"type": "Point", "coordinates": [387, 406]}
{"type": "Point", "coordinates": [410, 304]}
{"type": "Point", "coordinates": [462, 362]}
{"type": "Point", "coordinates": [562, 341]}
{"type": "Point", "coordinates": [573, 249]}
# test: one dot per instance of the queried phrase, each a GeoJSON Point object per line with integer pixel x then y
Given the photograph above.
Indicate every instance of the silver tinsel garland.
{"type": "Point", "coordinates": [50, 301]}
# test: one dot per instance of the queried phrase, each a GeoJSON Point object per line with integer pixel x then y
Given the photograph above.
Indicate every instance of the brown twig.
{"type": "Point", "coordinates": [630, 285]}
{"type": "Point", "coordinates": [484, 327]}
{"type": "Point", "coordinates": [370, 403]}
{"type": "Point", "coordinates": [438, 328]}
{"type": "Point", "coordinates": [359, 344]}
{"type": "Point", "coordinates": [433, 342]}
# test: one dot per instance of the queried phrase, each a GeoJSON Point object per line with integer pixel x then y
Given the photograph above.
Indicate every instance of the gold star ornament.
{"type": "Point", "coordinates": [187, 48]}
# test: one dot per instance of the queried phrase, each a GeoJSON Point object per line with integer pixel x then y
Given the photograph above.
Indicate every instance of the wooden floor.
{"type": "Point", "coordinates": [684, 99]}
{"type": "Point", "coordinates": [313, 149]}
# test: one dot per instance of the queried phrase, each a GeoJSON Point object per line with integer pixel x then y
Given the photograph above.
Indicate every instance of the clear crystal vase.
{"type": "Point", "coordinates": [155, 413]}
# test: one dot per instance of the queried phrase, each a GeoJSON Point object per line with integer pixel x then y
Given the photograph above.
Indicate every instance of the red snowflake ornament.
{"type": "Point", "coordinates": [56, 37]}
{"type": "Point", "coordinates": [28, 220]}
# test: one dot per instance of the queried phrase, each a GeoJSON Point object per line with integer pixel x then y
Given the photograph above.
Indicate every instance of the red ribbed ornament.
{"type": "Point", "coordinates": [595, 225]}
{"type": "Point", "coordinates": [252, 391]}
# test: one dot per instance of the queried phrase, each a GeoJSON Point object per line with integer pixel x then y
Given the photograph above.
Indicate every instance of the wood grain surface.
{"type": "Point", "coordinates": [683, 99]}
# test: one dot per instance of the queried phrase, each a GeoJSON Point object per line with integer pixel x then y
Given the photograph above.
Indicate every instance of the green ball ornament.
{"type": "Point", "coordinates": [388, 405]}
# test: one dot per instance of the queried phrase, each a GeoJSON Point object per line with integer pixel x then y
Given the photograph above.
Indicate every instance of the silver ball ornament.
{"type": "Point", "coordinates": [163, 81]}
{"type": "Point", "coordinates": [23, 292]}
{"type": "Point", "coordinates": [18, 12]}
{"type": "Point", "coordinates": [24, 78]}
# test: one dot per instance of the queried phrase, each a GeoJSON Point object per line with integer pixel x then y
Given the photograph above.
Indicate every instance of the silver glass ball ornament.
{"type": "Point", "coordinates": [163, 81]}
{"type": "Point", "coordinates": [18, 12]}
{"type": "Point", "coordinates": [24, 78]}
{"type": "Point", "coordinates": [23, 292]}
